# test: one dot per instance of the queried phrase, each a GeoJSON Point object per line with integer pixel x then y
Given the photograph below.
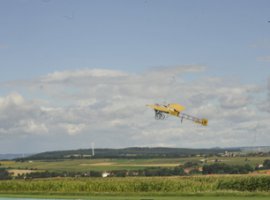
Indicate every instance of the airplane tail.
{"type": "Point", "coordinates": [204, 122]}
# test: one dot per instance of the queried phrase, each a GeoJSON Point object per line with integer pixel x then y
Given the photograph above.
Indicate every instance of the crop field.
{"type": "Point", "coordinates": [120, 164]}
{"type": "Point", "coordinates": [94, 164]}
{"type": "Point", "coordinates": [144, 186]}
{"type": "Point", "coordinates": [34, 197]}
{"type": "Point", "coordinates": [204, 187]}
{"type": "Point", "coordinates": [157, 185]}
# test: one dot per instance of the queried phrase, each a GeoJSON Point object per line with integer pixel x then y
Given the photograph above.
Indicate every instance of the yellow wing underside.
{"type": "Point", "coordinates": [173, 109]}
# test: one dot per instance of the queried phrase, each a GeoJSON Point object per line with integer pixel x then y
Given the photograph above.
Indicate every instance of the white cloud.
{"type": "Point", "coordinates": [264, 104]}
{"type": "Point", "coordinates": [31, 126]}
{"type": "Point", "coordinates": [64, 76]}
{"type": "Point", "coordinates": [13, 99]}
{"type": "Point", "coordinates": [73, 129]}
{"type": "Point", "coordinates": [20, 116]}
{"type": "Point", "coordinates": [109, 106]}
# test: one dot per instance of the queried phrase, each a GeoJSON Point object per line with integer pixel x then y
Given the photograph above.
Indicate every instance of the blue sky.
{"type": "Point", "coordinates": [39, 37]}
{"type": "Point", "coordinates": [226, 43]}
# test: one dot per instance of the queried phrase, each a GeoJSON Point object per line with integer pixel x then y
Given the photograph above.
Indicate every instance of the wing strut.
{"type": "Point", "coordinates": [203, 121]}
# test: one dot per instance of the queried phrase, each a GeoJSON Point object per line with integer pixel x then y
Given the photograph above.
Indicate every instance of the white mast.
{"type": "Point", "coordinates": [93, 148]}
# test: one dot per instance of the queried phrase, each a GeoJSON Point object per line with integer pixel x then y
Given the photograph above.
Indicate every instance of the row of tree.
{"type": "Point", "coordinates": [217, 168]}
{"type": "Point", "coordinates": [266, 164]}
{"type": "Point", "coordinates": [222, 168]}
{"type": "Point", "coordinates": [155, 171]}
{"type": "Point", "coordinates": [193, 168]}
{"type": "Point", "coordinates": [4, 175]}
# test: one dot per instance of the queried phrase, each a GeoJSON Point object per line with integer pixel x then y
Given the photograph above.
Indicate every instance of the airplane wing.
{"type": "Point", "coordinates": [176, 107]}
{"type": "Point", "coordinates": [159, 108]}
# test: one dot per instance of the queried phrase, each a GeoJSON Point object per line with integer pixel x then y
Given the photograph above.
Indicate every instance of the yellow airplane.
{"type": "Point", "coordinates": [175, 109]}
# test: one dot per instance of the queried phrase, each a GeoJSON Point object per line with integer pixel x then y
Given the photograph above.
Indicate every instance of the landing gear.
{"type": "Point", "coordinates": [159, 115]}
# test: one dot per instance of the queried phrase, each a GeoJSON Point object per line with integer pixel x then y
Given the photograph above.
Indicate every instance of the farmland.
{"type": "Point", "coordinates": [88, 164]}
{"type": "Point", "coordinates": [172, 187]}
{"type": "Point", "coordinates": [25, 197]}
{"type": "Point", "coordinates": [145, 186]}
{"type": "Point", "coordinates": [81, 165]}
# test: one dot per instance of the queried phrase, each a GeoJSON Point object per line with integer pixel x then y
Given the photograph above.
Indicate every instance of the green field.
{"type": "Point", "coordinates": [94, 164]}
{"type": "Point", "coordinates": [16, 197]}
{"type": "Point", "coordinates": [138, 188]}
{"type": "Point", "coordinates": [240, 184]}
{"type": "Point", "coordinates": [120, 164]}
{"type": "Point", "coordinates": [25, 197]}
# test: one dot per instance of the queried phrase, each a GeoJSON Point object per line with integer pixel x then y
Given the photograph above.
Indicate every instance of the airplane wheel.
{"type": "Point", "coordinates": [162, 116]}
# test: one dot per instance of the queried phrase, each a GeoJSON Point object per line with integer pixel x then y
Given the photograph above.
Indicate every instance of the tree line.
{"type": "Point", "coordinates": [193, 168]}
{"type": "Point", "coordinates": [222, 168]}
{"type": "Point", "coordinates": [4, 175]}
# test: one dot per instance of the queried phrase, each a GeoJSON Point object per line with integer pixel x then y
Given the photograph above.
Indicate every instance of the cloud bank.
{"type": "Point", "coordinates": [72, 109]}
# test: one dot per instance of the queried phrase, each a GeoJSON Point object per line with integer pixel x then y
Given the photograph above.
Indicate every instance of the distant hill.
{"type": "Point", "coordinates": [256, 149]}
{"type": "Point", "coordinates": [133, 152]}
{"type": "Point", "coordinates": [12, 156]}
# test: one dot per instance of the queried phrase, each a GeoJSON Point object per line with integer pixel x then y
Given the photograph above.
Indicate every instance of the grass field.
{"type": "Point", "coordinates": [119, 164]}
{"type": "Point", "coordinates": [94, 164]}
{"type": "Point", "coordinates": [32, 197]}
